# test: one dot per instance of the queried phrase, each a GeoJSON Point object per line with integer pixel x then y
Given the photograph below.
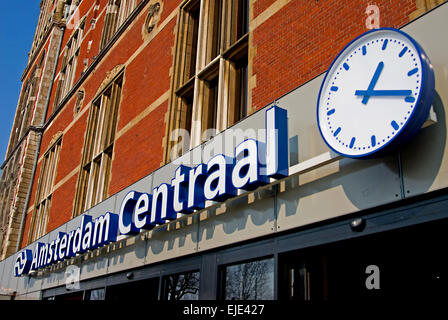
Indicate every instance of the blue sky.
{"type": "Point", "coordinates": [16, 36]}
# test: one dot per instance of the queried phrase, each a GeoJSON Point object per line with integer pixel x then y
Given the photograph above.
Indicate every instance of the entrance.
{"type": "Point", "coordinates": [408, 262]}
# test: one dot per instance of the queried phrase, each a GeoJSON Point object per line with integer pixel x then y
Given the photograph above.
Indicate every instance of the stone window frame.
{"type": "Point", "coordinates": [96, 163]}
{"type": "Point", "coordinates": [69, 8]}
{"type": "Point", "coordinates": [116, 14]}
{"type": "Point", "coordinates": [45, 188]}
{"type": "Point", "coordinates": [25, 107]}
{"type": "Point", "coordinates": [207, 79]}
{"type": "Point", "coordinates": [47, 11]}
{"type": "Point", "coordinates": [69, 64]}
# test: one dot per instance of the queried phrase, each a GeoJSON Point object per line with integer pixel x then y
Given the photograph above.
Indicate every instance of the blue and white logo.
{"type": "Point", "coordinates": [376, 94]}
{"type": "Point", "coordinates": [253, 164]}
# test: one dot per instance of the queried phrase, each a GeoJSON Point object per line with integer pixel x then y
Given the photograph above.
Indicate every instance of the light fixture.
{"type": "Point", "coordinates": [358, 224]}
{"type": "Point", "coordinates": [130, 275]}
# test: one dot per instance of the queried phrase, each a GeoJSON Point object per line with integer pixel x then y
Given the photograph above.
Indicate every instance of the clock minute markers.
{"type": "Point", "coordinates": [412, 72]}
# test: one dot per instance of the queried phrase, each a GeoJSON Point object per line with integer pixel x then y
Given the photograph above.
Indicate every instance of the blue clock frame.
{"type": "Point", "coordinates": [418, 115]}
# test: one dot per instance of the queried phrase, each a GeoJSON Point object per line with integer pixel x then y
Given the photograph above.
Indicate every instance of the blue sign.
{"type": "Point", "coordinates": [91, 234]}
{"type": "Point", "coordinates": [253, 164]}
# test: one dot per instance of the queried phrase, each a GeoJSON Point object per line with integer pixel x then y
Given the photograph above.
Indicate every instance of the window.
{"type": "Point", "coordinates": [26, 104]}
{"type": "Point", "coordinates": [25, 107]}
{"type": "Point", "coordinates": [238, 108]}
{"type": "Point", "coordinates": [117, 13]}
{"type": "Point", "coordinates": [44, 193]}
{"type": "Point", "coordinates": [69, 64]}
{"type": "Point", "coordinates": [126, 7]}
{"type": "Point", "coordinates": [181, 286]}
{"type": "Point", "coordinates": [210, 87]}
{"type": "Point", "coordinates": [93, 183]}
{"type": "Point", "coordinates": [4, 209]}
{"type": "Point", "coordinates": [303, 275]}
{"type": "Point", "coordinates": [95, 295]}
{"type": "Point", "coordinates": [47, 11]}
{"type": "Point", "coordinates": [249, 281]}
{"type": "Point", "coordinates": [70, 7]}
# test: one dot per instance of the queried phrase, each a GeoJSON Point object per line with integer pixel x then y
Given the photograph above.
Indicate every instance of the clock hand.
{"type": "Point", "coordinates": [369, 93]}
{"type": "Point", "coordinates": [374, 80]}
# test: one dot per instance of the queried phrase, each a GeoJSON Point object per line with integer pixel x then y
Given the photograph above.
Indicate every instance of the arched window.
{"type": "Point", "coordinates": [96, 166]}
{"type": "Point", "coordinates": [69, 64]}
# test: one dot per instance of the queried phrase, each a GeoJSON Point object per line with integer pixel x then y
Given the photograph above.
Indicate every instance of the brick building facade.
{"type": "Point", "coordinates": [109, 81]}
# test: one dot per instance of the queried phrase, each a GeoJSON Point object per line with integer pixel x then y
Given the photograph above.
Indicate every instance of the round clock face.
{"type": "Point", "coordinates": [376, 94]}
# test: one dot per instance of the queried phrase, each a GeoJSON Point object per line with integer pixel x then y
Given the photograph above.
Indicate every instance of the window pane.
{"type": "Point", "coordinates": [210, 109]}
{"type": "Point", "coordinates": [182, 286]}
{"type": "Point", "coordinates": [240, 102]}
{"type": "Point", "coordinates": [250, 281]}
{"type": "Point", "coordinates": [112, 114]}
{"type": "Point", "coordinates": [45, 217]}
{"type": "Point", "coordinates": [96, 295]}
{"type": "Point", "coordinates": [104, 177]}
{"type": "Point", "coordinates": [105, 99]}
{"type": "Point", "coordinates": [111, 21]}
{"type": "Point", "coordinates": [105, 121]}
{"type": "Point", "coordinates": [191, 43]}
{"type": "Point", "coordinates": [240, 19]}
{"type": "Point", "coordinates": [50, 172]}
{"type": "Point", "coordinates": [35, 224]}
{"type": "Point", "coordinates": [184, 117]}
{"type": "Point", "coordinates": [93, 183]}
{"type": "Point", "coordinates": [214, 27]}
{"type": "Point", "coordinates": [43, 177]}
{"type": "Point", "coordinates": [82, 190]}
{"type": "Point", "coordinates": [303, 276]}
{"type": "Point", "coordinates": [91, 132]}
{"type": "Point", "coordinates": [187, 113]}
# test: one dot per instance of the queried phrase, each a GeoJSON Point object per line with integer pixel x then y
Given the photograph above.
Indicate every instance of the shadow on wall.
{"type": "Point", "coordinates": [349, 185]}
{"type": "Point", "coordinates": [423, 157]}
{"type": "Point", "coordinates": [246, 214]}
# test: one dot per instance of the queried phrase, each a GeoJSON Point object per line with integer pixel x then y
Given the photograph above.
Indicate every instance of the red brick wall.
{"type": "Point", "coordinates": [301, 40]}
{"type": "Point", "coordinates": [139, 152]}
{"type": "Point", "coordinates": [261, 5]}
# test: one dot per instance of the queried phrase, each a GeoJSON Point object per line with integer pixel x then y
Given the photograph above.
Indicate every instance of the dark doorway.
{"type": "Point", "coordinates": [403, 263]}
